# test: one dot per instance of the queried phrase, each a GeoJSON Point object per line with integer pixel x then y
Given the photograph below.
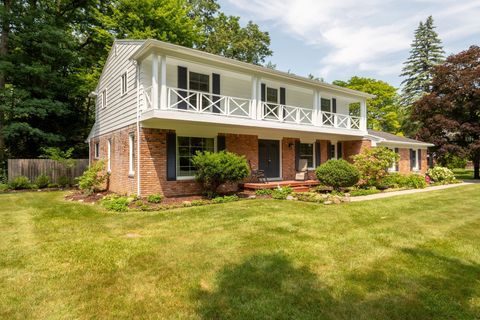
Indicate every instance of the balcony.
{"type": "Point", "coordinates": [196, 102]}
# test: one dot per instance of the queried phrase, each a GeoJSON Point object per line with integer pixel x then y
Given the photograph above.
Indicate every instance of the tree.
{"type": "Point", "coordinates": [383, 111]}
{"type": "Point", "coordinates": [450, 114]}
{"type": "Point", "coordinates": [426, 52]}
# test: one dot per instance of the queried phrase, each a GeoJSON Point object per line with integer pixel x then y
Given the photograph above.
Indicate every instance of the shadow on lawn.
{"type": "Point", "coordinates": [415, 284]}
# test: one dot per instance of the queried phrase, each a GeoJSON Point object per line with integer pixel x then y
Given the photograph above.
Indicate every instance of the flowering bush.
{"type": "Point", "coordinates": [373, 164]}
{"type": "Point", "coordinates": [441, 174]}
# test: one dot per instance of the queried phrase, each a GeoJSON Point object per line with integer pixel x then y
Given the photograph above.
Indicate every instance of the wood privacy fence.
{"type": "Point", "coordinates": [32, 168]}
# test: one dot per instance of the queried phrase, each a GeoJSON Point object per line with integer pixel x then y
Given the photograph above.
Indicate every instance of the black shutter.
{"type": "Point", "coordinates": [221, 143]}
{"type": "Point", "coordinates": [412, 159]}
{"type": "Point", "coordinates": [182, 84]}
{"type": "Point", "coordinates": [282, 99]}
{"type": "Point", "coordinates": [297, 154]}
{"type": "Point", "coordinates": [419, 159]}
{"type": "Point", "coordinates": [317, 154]}
{"type": "Point", "coordinates": [334, 105]}
{"type": "Point", "coordinates": [329, 150]}
{"type": "Point", "coordinates": [398, 162]}
{"type": "Point", "coordinates": [430, 159]}
{"type": "Point", "coordinates": [171, 157]}
{"type": "Point", "coordinates": [339, 150]}
{"type": "Point", "coordinates": [263, 94]}
{"type": "Point", "coordinates": [216, 90]}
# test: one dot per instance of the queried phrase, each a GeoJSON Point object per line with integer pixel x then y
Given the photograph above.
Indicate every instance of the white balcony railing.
{"type": "Point", "coordinates": [206, 103]}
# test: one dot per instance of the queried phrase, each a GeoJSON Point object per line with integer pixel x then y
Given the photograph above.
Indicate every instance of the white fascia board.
{"type": "Point", "coordinates": [245, 122]}
{"type": "Point", "coordinates": [151, 44]}
{"type": "Point", "coordinates": [406, 144]}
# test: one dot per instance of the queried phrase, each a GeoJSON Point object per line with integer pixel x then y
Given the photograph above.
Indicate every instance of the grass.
{"type": "Point", "coordinates": [407, 257]}
{"type": "Point", "coordinates": [463, 174]}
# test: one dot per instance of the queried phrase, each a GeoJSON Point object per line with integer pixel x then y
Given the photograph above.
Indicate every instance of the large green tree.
{"type": "Point", "coordinates": [451, 112]}
{"type": "Point", "coordinates": [383, 111]}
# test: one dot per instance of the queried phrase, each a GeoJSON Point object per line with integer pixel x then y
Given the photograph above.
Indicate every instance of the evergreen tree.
{"type": "Point", "coordinates": [426, 52]}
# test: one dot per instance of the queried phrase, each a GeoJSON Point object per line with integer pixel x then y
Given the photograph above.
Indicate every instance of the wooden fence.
{"type": "Point", "coordinates": [32, 168]}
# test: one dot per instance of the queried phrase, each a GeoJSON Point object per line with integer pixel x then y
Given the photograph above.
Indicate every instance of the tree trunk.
{"type": "Point", "coordinates": [3, 52]}
{"type": "Point", "coordinates": [476, 169]}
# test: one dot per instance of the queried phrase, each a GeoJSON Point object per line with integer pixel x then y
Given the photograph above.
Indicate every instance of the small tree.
{"type": "Point", "coordinates": [93, 178]}
{"type": "Point", "coordinates": [373, 164]}
{"type": "Point", "coordinates": [62, 157]}
{"type": "Point", "coordinates": [214, 169]}
{"type": "Point", "coordinates": [337, 174]}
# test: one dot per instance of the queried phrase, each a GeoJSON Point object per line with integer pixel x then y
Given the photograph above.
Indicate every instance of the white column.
{"type": "Point", "coordinates": [254, 98]}
{"type": "Point", "coordinates": [154, 94]}
{"type": "Point", "coordinates": [163, 82]}
{"type": "Point", "coordinates": [316, 108]}
{"type": "Point", "coordinates": [259, 98]}
{"type": "Point", "coordinates": [363, 115]}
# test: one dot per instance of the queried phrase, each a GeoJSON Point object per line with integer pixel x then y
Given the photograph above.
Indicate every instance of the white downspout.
{"type": "Point", "coordinates": [137, 73]}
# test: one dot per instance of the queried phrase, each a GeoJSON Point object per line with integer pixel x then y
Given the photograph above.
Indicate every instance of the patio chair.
{"type": "Point", "coordinates": [302, 172]}
{"type": "Point", "coordinates": [257, 174]}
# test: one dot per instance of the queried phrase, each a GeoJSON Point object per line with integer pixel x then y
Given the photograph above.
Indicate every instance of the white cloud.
{"type": "Point", "coordinates": [365, 35]}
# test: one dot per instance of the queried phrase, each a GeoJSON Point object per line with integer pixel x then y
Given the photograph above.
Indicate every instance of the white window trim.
{"type": "Point", "coordinates": [177, 161]}
{"type": "Point", "coordinates": [109, 155]}
{"type": "Point", "coordinates": [393, 168]}
{"type": "Point", "coordinates": [131, 166]}
{"type": "Point", "coordinates": [313, 155]}
{"type": "Point", "coordinates": [96, 148]}
{"type": "Point", "coordinates": [210, 81]}
{"type": "Point", "coordinates": [104, 96]}
{"type": "Point", "coordinates": [415, 167]}
{"type": "Point", "coordinates": [122, 83]}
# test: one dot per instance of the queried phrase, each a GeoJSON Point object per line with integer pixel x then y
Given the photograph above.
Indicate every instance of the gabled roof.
{"type": "Point", "coordinates": [391, 138]}
{"type": "Point", "coordinates": [150, 44]}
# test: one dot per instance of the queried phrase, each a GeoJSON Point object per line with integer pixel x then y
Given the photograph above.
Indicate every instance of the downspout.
{"type": "Point", "coordinates": [137, 73]}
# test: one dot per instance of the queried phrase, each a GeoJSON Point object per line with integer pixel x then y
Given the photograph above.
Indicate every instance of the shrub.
{"type": "Point", "coordinates": [414, 181]}
{"type": "Point", "coordinates": [42, 181]}
{"type": "Point", "coordinates": [392, 180]}
{"type": "Point", "coordinates": [19, 183]}
{"type": "Point", "coordinates": [155, 198]}
{"type": "Point", "coordinates": [53, 185]}
{"type": "Point", "coordinates": [263, 192]}
{"type": "Point", "coordinates": [452, 161]}
{"type": "Point", "coordinates": [281, 193]}
{"type": "Point", "coordinates": [337, 174]}
{"type": "Point", "coordinates": [441, 174]}
{"type": "Point", "coordinates": [63, 181]}
{"type": "Point", "coordinates": [3, 187]}
{"type": "Point", "coordinates": [310, 197]}
{"type": "Point", "coordinates": [373, 164]}
{"type": "Point", "coordinates": [115, 203]}
{"type": "Point", "coordinates": [214, 169]}
{"type": "Point", "coordinates": [225, 199]}
{"type": "Point", "coordinates": [93, 178]}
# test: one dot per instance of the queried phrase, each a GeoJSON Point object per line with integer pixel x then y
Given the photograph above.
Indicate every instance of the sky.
{"type": "Point", "coordinates": [337, 39]}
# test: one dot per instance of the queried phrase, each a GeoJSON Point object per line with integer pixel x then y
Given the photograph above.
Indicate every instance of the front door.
{"type": "Point", "coordinates": [269, 157]}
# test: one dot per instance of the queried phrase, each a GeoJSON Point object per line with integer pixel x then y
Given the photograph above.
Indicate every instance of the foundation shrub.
{"type": "Point", "coordinates": [337, 174]}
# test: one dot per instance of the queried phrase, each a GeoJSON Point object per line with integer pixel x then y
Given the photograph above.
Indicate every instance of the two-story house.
{"type": "Point", "coordinates": [157, 104]}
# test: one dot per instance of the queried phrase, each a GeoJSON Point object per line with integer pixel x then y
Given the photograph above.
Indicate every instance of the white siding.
{"type": "Point", "coordinates": [120, 111]}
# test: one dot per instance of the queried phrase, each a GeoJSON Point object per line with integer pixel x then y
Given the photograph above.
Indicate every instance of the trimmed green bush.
{"type": "Point", "coordinates": [3, 187]}
{"type": "Point", "coordinates": [263, 192]}
{"type": "Point", "coordinates": [116, 203]}
{"type": "Point", "coordinates": [20, 183]}
{"type": "Point", "coordinates": [42, 181]}
{"type": "Point", "coordinates": [53, 185]}
{"type": "Point", "coordinates": [93, 178]}
{"type": "Point", "coordinates": [155, 198]}
{"type": "Point", "coordinates": [415, 181]}
{"type": "Point", "coordinates": [337, 174]}
{"type": "Point", "coordinates": [215, 169]}
{"type": "Point", "coordinates": [63, 181]}
{"type": "Point", "coordinates": [441, 174]}
{"type": "Point", "coordinates": [281, 193]}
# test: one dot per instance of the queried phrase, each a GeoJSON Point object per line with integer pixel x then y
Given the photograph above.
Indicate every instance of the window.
{"type": "Point", "coordinates": [306, 152]}
{"type": "Point", "coordinates": [123, 83]}
{"type": "Point", "coordinates": [97, 150]}
{"type": "Point", "coordinates": [272, 109]}
{"type": "Point", "coordinates": [393, 168]}
{"type": "Point", "coordinates": [104, 98]}
{"type": "Point", "coordinates": [272, 95]}
{"type": "Point", "coordinates": [187, 148]}
{"type": "Point", "coordinates": [131, 154]}
{"type": "Point", "coordinates": [199, 82]}
{"type": "Point", "coordinates": [326, 105]}
{"type": "Point", "coordinates": [109, 153]}
{"type": "Point", "coordinates": [414, 159]}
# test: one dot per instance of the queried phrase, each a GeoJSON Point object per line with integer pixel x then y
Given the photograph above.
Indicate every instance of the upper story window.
{"type": "Point", "coordinates": [104, 98]}
{"type": "Point", "coordinates": [306, 153]}
{"type": "Point", "coordinates": [326, 105]}
{"type": "Point", "coordinates": [187, 148]}
{"type": "Point", "coordinates": [272, 95]}
{"type": "Point", "coordinates": [199, 82]}
{"type": "Point", "coordinates": [123, 83]}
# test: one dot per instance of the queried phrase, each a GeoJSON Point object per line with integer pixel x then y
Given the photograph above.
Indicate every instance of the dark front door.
{"type": "Point", "coordinates": [269, 157]}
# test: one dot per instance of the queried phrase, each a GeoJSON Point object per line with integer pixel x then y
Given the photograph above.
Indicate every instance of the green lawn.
{"type": "Point", "coordinates": [408, 257]}
{"type": "Point", "coordinates": [463, 174]}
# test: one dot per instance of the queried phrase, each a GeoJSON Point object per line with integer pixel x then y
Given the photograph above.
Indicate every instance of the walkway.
{"type": "Point", "coordinates": [410, 191]}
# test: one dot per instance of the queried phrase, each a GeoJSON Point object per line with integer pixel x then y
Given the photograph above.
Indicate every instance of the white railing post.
{"type": "Point", "coordinates": [349, 122]}
{"type": "Point", "coordinates": [363, 115]}
{"type": "Point", "coordinates": [169, 97]}
{"type": "Point", "coordinates": [154, 92]}
{"type": "Point", "coordinates": [317, 110]}
{"type": "Point", "coordinates": [227, 106]}
{"type": "Point", "coordinates": [163, 82]}
{"type": "Point", "coordinates": [335, 120]}
{"type": "Point", "coordinates": [254, 98]}
{"type": "Point", "coordinates": [198, 102]}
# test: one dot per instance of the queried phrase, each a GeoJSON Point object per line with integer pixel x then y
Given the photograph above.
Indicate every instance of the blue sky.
{"type": "Point", "coordinates": [336, 39]}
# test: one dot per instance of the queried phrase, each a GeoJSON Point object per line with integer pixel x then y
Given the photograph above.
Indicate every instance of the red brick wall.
{"type": "Point", "coordinates": [242, 144]}
{"type": "Point", "coordinates": [404, 163]}
{"type": "Point", "coordinates": [354, 147]}
{"type": "Point", "coordinates": [288, 158]}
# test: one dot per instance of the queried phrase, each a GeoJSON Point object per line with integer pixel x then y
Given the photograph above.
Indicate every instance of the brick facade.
{"type": "Point", "coordinates": [153, 160]}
